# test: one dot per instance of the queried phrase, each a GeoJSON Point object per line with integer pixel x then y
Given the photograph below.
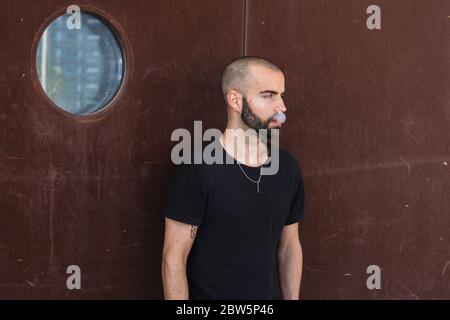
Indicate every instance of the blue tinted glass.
{"type": "Point", "coordinates": [81, 70]}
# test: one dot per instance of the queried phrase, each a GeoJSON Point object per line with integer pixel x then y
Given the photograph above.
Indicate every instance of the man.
{"type": "Point", "coordinates": [226, 225]}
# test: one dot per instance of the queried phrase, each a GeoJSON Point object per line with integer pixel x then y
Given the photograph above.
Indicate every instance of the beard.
{"type": "Point", "coordinates": [252, 120]}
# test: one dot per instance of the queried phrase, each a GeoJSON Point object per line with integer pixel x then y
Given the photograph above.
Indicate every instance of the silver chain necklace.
{"type": "Point", "coordinates": [257, 181]}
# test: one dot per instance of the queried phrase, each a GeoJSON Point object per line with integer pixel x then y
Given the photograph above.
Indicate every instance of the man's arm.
{"type": "Point", "coordinates": [290, 260]}
{"type": "Point", "coordinates": [178, 240]}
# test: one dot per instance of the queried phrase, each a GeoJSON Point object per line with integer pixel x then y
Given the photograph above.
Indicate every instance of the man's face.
{"type": "Point", "coordinates": [264, 99]}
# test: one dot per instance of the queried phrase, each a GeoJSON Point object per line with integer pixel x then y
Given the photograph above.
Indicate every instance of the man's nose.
{"type": "Point", "coordinates": [281, 106]}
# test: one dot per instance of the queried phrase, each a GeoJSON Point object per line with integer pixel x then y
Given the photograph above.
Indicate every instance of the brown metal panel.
{"type": "Point", "coordinates": [368, 118]}
{"type": "Point", "coordinates": [90, 191]}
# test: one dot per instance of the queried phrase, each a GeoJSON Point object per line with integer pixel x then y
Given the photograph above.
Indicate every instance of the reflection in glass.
{"type": "Point", "coordinates": [80, 70]}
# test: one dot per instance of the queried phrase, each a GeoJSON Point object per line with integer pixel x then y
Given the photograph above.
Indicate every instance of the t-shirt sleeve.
{"type": "Point", "coordinates": [186, 200]}
{"type": "Point", "coordinates": [297, 208]}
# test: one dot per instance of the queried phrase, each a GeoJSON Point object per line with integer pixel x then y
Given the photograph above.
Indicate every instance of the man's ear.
{"type": "Point", "coordinates": [234, 99]}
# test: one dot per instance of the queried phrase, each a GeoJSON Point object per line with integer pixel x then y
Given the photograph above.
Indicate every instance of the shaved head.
{"type": "Point", "coordinates": [237, 74]}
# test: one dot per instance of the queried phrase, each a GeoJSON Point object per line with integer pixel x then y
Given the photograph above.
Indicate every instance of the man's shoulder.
{"type": "Point", "coordinates": [288, 160]}
{"type": "Point", "coordinates": [287, 156]}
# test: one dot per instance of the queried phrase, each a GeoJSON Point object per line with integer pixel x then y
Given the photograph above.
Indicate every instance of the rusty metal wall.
{"type": "Point", "coordinates": [90, 191]}
{"type": "Point", "coordinates": [368, 116]}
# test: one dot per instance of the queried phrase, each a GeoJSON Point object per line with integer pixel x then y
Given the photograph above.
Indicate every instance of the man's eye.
{"type": "Point", "coordinates": [267, 95]}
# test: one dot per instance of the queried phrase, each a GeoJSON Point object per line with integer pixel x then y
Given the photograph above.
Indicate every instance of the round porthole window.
{"type": "Point", "coordinates": [80, 65]}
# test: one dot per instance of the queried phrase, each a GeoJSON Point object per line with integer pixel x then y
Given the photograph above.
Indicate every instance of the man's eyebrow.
{"type": "Point", "coordinates": [270, 91]}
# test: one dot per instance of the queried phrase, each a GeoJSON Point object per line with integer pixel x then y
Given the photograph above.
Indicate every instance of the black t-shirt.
{"type": "Point", "coordinates": [234, 252]}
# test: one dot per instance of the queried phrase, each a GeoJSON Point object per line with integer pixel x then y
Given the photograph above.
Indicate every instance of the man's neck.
{"type": "Point", "coordinates": [245, 146]}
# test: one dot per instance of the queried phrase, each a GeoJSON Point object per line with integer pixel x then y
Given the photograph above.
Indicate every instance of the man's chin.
{"type": "Point", "coordinates": [266, 135]}
{"type": "Point", "coordinates": [274, 126]}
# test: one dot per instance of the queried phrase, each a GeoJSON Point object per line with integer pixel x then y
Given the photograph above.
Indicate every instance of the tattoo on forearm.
{"type": "Point", "coordinates": [193, 232]}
